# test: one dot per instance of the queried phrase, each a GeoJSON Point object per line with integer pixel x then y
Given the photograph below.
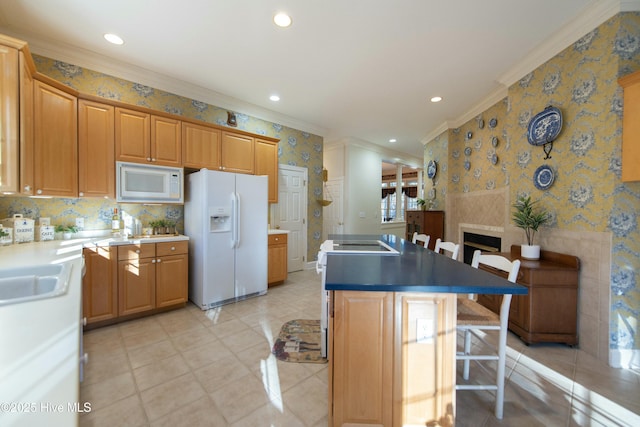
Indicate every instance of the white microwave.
{"type": "Point", "coordinates": [140, 183]}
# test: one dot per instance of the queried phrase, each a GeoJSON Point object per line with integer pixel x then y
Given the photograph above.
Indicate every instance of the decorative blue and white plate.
{"type": "Point", "coordinates": [543, 177]}
{"type": "Point", "coordinates": [494, 159]}
{"type": "Point", "coordinates": [493, 123]}
{"type": "Point", "coordinates": [432, 169]}
{"type": "Point", "coordinates": [494, 141]}
{"type": "Point", "coordinates": [469, 135]}
{"type": "Point", "coordinates": [467, 151]}
{"type": "Point", "coordinates": [467, 165]}
{"type": "Point", "coordinates": [545, 126]}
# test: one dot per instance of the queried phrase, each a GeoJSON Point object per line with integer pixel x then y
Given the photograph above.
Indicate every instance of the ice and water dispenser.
{"type": "Point", "coordinates": [219, 219]}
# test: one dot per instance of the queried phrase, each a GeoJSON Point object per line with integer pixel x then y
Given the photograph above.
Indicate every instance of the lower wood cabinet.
{"type": "Point", "coordinates": [391, 359]}
{"type": "Point", "coordinates": [549, 312]}
{"type": "Point", "coordinates": [430, 223]}
{"type": "Point", "coordinates": [121, 281]}
{"type": "Point", "coordinates": [100, 284]}
{"type": "Point", "coordinates": [278, 254]}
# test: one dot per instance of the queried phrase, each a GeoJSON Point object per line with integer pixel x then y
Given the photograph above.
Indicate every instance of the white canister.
{"type": "Point", "coordinates": [23, 228]}
{"type": "Point", "coordinates": [45, 232]}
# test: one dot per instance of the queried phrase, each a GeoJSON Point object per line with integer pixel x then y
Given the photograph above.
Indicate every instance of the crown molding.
{"type": "Point", "coordinates": [389, 155]}
{"type": "Point", "coordinates": [127, 71]}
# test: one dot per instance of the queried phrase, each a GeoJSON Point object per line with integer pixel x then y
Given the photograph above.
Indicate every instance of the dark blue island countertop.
{"type": "Point", "coordinates": [414, 269]}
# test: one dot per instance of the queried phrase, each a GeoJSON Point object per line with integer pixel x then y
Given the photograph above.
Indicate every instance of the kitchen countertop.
{"type": "Point", "coordinates": [415, 269]}
{"type": "Point", "coordinates": [277, 231]}
{"type": "Point", "coordinates": [40, 340]}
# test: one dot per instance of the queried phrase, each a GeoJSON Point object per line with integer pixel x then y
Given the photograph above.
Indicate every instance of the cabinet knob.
{"type": "Point", "coordinates": [81, 194]}
{"type": "Point", "coordinates": [39, 191]}
{"type": "Point", "coordinates": [27, 188]}
{"type": "Point", "coordinates": [153, 261]}
{"type": "Point", "coordinates": [84, 359]}
{"type": "Point", "coordinates": [137, 251]}
{"type": "Point", "coordinates": [148, 159]}
{"type": "Point", "coordinates": [153, 159]}
{"type": "Point", "coordinates": [84, 321]}
{"type": "Point", "coordinates": [159, 260]}
{"type": "Point", "coordinates": [276, 239]}
{"type": "Point", "coordinates": [173, 248]}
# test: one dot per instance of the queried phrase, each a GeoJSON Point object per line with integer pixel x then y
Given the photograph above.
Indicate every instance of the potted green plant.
{"type": "Point", "coordinates": [529, 217]}
{"type": "Point", "coordinates": [158, 225]}
{"type": "Point", "coordinates": [422, 203]}
{"type": "Point", "coordinates": [66, 230]}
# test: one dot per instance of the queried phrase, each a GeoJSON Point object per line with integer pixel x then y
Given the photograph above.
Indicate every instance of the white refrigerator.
{"type": "Point", "coordinates": [225, 217]}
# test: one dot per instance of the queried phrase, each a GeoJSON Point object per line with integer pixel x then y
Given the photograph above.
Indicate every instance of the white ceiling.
{"type": "Point", "coordinates": [362, 69]}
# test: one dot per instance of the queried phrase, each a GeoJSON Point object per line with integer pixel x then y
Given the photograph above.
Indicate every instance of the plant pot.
{"type": "Point", "coordinates": [66, 235]}
{"type": "Point", "coordinates": [530, 251]}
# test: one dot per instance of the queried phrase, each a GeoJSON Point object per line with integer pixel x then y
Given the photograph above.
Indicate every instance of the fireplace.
{"type": "Point", "coordinates": [473, 242]}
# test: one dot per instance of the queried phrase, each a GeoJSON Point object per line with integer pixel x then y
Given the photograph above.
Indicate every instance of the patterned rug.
{"type": "Point", "coordinates": [299, 341]}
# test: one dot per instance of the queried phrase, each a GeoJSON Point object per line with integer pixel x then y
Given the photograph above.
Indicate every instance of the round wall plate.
{"type": "Point", "coordinates": [543, 177]}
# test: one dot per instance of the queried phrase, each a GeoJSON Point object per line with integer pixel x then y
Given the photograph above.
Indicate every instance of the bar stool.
{"type": "Point", "coordinates": [422, 238]}
{"type": "Point", "coordinates": [473, 317]}
{"type": "Point", "coordinates": [450, 247]}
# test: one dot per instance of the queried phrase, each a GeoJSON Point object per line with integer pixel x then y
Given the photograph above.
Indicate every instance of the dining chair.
{"type": "Point", "coordinates": [445, 248]}
{"type": "Point", "coordinates": [472, 317]}
{"type": "Point", "coordinates": [422, 238]}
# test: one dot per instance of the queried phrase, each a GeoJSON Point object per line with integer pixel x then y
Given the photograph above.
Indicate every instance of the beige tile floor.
{"type": "Point", "coordinates": [193, 368]}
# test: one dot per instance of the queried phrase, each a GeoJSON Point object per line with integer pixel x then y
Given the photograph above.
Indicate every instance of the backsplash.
{"type": "Point", "coordinates": [97, 213]}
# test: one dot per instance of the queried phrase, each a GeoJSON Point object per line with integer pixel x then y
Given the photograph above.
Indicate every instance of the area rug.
{"type": "Point", "coordinates": [299, 341]}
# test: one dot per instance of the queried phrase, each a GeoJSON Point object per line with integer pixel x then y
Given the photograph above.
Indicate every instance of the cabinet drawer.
{"type": "Point", "coordinates": [172, 248]}
{"type": "Point", "coordinates": [136, 251]}
{"type": "Point", "coordinates": [275, 239]}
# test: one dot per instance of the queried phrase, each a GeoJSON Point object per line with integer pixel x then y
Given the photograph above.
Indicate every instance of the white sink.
{"type": "Point", "coordinates": [24, 284]}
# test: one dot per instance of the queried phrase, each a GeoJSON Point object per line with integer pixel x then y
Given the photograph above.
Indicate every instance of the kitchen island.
{"type": "Point", "coordinates": [392, 333]}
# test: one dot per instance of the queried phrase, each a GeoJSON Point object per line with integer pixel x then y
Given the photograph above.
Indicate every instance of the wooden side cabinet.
{"type": "Point", "coordinates": [172, 273]}
{"type": "Point", "coordinates": [278, 253]}
{"type": "Point", "coordinates": [391, 359]}
{"type": "Point", "coordinates": [549, 312]}
{"type": "Point", "coordinates": [631, 127]}
{"type": "Point", "coordinates": [430, 223]}
{"type": "Point", "coordinates": [136, 278]}
{"type": "Point", "coordinates": [100, 284]}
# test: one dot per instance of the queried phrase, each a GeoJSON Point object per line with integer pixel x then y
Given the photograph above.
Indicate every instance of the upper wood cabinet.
{"type": "Point", "coordinates": [237, 153]}
{"type": "Point", "coordinates": [200, 146]}
{"type": "Point", "coordinates": [9, 144]}
{"type": "Point", "coordinates": [96, 136]}
{"type": "Point", "coordinates": [133, 135]}
{"type": "Point", "coordinates": [55, 131]}
{"type": "Point", "coordinates": [166, 141]}
{"type": "Point", "coordinates": [146, 138]}
{"type": "Point", "coordinates": [27, 172]}
{"type": "Point", "coordinates": [267, 164]}
{"type": "Point", "coordinates": [631, 127]}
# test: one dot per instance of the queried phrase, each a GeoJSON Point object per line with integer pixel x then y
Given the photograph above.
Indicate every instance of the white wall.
{"type": "Point", "coordinates": [360, 163]}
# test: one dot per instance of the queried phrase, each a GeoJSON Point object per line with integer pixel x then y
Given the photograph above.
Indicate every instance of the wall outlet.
{"type": "Point", "coordinates": [424, 331]}
{"type": "Point", "coordinates": [80, 223]}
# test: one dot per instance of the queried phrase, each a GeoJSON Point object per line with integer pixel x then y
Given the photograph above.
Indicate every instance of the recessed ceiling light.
{"type": "Point", "coordinates": [436, 99]}
{"type": "Point", "coordinates": [392, 140]}
{"type": "Point", "coordinates": [112, 38]}
{"type": "Point", "coordinates": [274, 98]}
{"type": "Point", "coordinates": [282, 20]}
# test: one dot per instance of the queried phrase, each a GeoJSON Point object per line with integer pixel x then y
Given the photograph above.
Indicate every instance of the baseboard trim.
{"type": "Point", "coordinates": [625, 358]}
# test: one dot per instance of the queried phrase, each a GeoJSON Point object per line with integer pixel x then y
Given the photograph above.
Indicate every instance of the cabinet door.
{"type": "Point", "coordinates": [55, 141]}
{"type": "Point", "coordinates": [99, 284]}
{"type": "Point", "coordinates": [166, 141]}
{"type": "Point", "coordinates": [277, 270]}
{"type": "Point", "coordinates": [361, 383]}
{"type": "Point", "coordinates": [200, 146]}
{"type": "Point", "coordinates": [425, 357]}
{"type": "Point", "coordinates": [96, 167]}
{"type": "Point", "coordinates": [267, 164]}
{"type": "Point", "coordinates": [237, 153]}
{"type": "Point", "coordinates": [132, 136]}
{"type": "Point", "coordinates": [171, 280]}
{"type": "Point", "coordinates": [136, 286]}
{"type": "Point", "coordinates": [27, 172]}
{"type": "Point", "coordinates": [631, 128]}
{"type": "Point", "coordinates": [9, 144]}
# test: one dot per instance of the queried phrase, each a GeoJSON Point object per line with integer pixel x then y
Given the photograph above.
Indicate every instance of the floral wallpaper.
{"type": "Point", "coordinates": [587, 192]}
{"type": "Point", "coordinates": [435, 190]}
{"type": "Point", "coordinates": [296, 148]}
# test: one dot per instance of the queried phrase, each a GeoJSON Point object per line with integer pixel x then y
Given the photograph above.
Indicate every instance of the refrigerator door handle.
{"type": "Point", "coordinates": [234, 219]}
{"type": "Point", "coordinates": [237, 219]}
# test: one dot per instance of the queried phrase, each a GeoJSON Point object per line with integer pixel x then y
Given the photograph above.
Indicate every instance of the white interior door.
{"type": "Point", "coordinates": [333, 215]}
{"type": "Point", "coordinates": [290, 213]}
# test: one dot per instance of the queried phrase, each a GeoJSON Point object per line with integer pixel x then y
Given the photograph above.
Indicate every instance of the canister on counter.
{"type": "Point", "coordinates": [23, 228]}
{"type": "Point", "coordinates": [6, 235]}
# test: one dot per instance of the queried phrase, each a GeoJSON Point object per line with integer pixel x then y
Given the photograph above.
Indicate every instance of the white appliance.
{"type": "Point", "coordinates": [225, 217]}
{"type": "Point", "coordinates": [140, 183]}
